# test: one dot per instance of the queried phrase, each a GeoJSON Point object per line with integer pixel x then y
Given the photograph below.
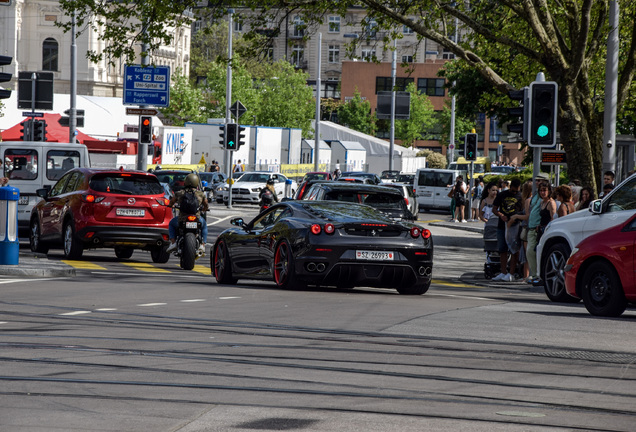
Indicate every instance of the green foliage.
{"type": "Point", "coordinates": [356, 114]}
{"type": "Point", "coordinates": [421, 119]}
{"type": "Point", "coordinates": [187, 103]}
{"type": "Point", "coordinates": [433, 159]}
{"type": "Point", "coordinates": [463, 125]}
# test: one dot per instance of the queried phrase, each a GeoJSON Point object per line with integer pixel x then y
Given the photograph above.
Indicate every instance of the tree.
{"type": "Point", "coordinates": [463, 125]}
{"type": "Point", "coordinates": [421, 119]}
{"type": "Point", "coordinates": [506, 41]}
{"type": "Point", "coordinates": [433, 159]}
{"type": "Point", "coordinates": [356, 114]}
{"type": "Point", "coordinates": [187, 103]}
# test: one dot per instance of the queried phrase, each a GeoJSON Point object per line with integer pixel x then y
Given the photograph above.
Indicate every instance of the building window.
{"type": "Point", "coordinates": [368, 54]}
{"type": "Point", "coordinates": [331, 89]}
{"type": "Point", "coordinates": [299, 27]}
{"type": "Point", "coordinates": [298, 54]}
{"type": "Point", "coordinates": [268, 54]}
{"type": "Point", "coordinates": [384, 83]}
{"type": "Point", "coordinates": [49, 54]}
{"type": "Point", "coordinates": [238, 26]}
{"type": "Point", "coordinates": [371, 29]}
{"type": "Point", "coordinates": [407, 30]}
{"type": "Point", "coordinates": [334, 24]}
{"type": "Point", "coordinates": [407, 59]}
{"type": "Point", "coordinates": [431, 86]}
{"type": "Point", "coordinates": [334, 53]}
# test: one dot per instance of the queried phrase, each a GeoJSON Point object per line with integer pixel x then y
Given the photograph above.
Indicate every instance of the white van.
{"type": "Point", "coordinates": [32, 165]}
{"type": "Point", "coordinates": [432, 185]}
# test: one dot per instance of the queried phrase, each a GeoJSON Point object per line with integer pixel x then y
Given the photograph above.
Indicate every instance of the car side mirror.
{"type": "Point", "coordinates": [43, 193]}
{"type": "Point", "coordinates": [596, 206]}
{"type": "Point", "coordinates": [237, 222]}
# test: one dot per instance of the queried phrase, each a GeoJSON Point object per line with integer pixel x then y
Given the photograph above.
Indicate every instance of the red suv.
{"type": "Point", "coordinates": [96, 208]}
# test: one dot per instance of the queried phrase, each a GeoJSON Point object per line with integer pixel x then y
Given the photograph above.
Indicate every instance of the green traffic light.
{"type": "Point", "coordinates": [543, 131]}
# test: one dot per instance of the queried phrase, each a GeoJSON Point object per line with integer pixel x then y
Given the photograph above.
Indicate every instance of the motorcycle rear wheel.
{"type": "Point", "coordinates": [189, 252]}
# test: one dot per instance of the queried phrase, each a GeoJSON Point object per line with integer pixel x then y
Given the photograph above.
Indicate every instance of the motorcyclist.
{"type": "Point", "coordinates": [191, 182]}
{"type": "Point", "coordinates": [268, 195]}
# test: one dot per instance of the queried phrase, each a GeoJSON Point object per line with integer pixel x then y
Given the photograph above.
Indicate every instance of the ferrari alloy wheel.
{"type": "Point", "coordinates": [284, 268]}
{"type": "Point", "coordinates": [602, 290]}
{"type": "Point", "coordinates": [220, 264]}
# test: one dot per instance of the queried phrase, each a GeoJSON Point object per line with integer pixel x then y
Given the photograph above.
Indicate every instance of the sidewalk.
{"type": "Point", "coordinates": [36, 265]}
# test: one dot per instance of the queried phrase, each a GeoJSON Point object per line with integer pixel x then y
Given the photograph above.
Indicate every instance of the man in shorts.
{"type": "Point", "coordinates": [507, 203]}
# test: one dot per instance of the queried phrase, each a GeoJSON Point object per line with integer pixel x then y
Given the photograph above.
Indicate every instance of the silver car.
{"type": "Point", "coordinates": [409, 197]}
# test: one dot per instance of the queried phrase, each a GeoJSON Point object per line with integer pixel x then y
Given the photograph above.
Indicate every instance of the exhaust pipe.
{"type": "Point", "coordinates": [311, 267]}
{"type": "Point", "coordinates": [95, 240]}
{"type": "Point", "coordinates": [320, 267]}
{"type": "Point", "coordinates": [159, 242]}
{"type": "Point", "coordinates": [424, 271]}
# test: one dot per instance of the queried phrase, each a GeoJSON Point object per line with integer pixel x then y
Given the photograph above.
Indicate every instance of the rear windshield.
{"type": "Point", "coordinates": [377, 200]}
{"type": "Point", "coordinates": [126, 183]}
{"type": "Point", "coordinates": [435, 179]}
{"type": "Point", "coordinates": [256, 178]}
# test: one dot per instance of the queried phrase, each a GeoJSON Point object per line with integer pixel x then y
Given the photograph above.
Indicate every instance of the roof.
{"type": "Point", "coordinates": [350, 145]}
{"type": "Point", "coordinates": [54, 131]}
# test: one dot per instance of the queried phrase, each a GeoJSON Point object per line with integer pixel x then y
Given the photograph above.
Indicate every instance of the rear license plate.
{"type": "Point", "coordinates": [131, 212]}
{"type": "Point", "coordinates": [23, 200]}
{"type": "Point", "coordinates": [374, 255]}
{"type": "Point", "coordinates": [191, 225]}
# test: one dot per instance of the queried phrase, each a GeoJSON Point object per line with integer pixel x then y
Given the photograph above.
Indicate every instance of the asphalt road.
{"type": "Point", "coordinates": [127, 345]}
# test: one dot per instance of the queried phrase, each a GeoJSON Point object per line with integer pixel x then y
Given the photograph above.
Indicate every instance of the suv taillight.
{"type": "Point", "coordinates": [163, 201]}
{"type": "Point", "coordinates": [90, 198]}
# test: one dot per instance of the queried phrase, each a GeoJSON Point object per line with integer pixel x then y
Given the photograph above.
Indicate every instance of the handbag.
{"type": "Point", "coordinates": [524, 234]}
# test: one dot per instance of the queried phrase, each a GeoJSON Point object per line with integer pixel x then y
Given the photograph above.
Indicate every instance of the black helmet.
{"type": "Point", "coordinates": [270, 182]}
{"type": "Point", "coordinates": [191, 181]}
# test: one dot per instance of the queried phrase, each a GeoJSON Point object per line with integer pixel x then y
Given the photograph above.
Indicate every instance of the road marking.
{"type": "Point", "coordinates": [227, 298]}
{"type": "Point", "coordinates": [221, 220]}
{"type": "Point", "coordinates": [430, 221]}
{"type": "Point", "coordinates": [192, 300]}
{"type": "Point", "coordinates": [106, 309]}
{"type": "Point", "coordinates": [461, 296]}
{"type": "Point", "coordinates": [145, 267]}
{"type": "Point", "coordinates": [152, 304]}
{"type": "Point", "coordinates": [202, 269]}
{"type": "Point", "coordinates": [456, 285]}
{"type": "Point", "coordinates": [83, 265]}
{"type": "Point", "coordinates": [4, 322]}
{"type": "Point", "coordinates": [76, 313]}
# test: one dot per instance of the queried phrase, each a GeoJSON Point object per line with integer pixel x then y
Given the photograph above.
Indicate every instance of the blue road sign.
{"type": "Point", "coordinates": [147, 85]}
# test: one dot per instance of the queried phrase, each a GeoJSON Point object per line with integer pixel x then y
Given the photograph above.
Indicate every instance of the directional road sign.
{"type": "Point", "coordinates": [142, 111]}
{"type": "Point", "coordinates": [147, 85]}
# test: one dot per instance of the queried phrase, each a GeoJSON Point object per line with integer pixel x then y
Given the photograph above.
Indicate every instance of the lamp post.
{"type": "Point", "coordinates": [393, 77]}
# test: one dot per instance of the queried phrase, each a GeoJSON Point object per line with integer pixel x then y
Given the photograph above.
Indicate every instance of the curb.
{"type": "Point", "coordinates": [478, 279]}
{"type": "Point", "coordinates": [460, 226]}
{"type": "Point", "coordinates": [34, 265]}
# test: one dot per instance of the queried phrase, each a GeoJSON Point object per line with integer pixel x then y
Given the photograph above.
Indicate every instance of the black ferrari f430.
{"type": "Point", "coordinates": [325, 243]}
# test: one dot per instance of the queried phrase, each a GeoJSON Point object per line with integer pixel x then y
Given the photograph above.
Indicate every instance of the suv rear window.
{"type": "Point", "coordinates": [126, 183]}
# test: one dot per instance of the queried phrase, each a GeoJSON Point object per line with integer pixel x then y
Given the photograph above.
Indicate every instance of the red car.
{"type": "Point", "coordinates": [601, 268]}
{"type": "Point", "coordinates": [95, 208]}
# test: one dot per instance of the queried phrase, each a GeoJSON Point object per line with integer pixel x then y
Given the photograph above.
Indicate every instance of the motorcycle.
{"type": "Point", "coordinates": [189, 239]}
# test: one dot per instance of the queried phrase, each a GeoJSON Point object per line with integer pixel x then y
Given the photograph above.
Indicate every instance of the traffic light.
{"type": "Point", "coordinates": [470, 150]}
{"type": "Point", "coordinates": [520, 111]}
{"type": "Point", "coordinates": [5, 77]}
{"type": "Point", "coordinates": [145, 130]}
{"type": "Point", "coordinates": [543, 114]}
{"type": "Point", "coordinates": [26, 130]}
{"type": "Point", "coordinates": [39, 130]}
{"type": "Point", "coordinates": [231, 132]}
{"type": "Point", "coordinates": [240, 137]}
{"type": "Point", "coordinates": [222, 136]}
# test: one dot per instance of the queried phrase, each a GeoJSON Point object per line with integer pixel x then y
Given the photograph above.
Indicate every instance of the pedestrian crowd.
{"type": "Point", "coordinates": [521, 215]}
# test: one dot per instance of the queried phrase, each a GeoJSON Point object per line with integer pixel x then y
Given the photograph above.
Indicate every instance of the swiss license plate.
{"type": "Point", "coordinates": [23, 200]}
{"type": "Point", "coordinates": [191, 225]}
{"type": "Point", "coordinates": [131, 212]}
{"type": "Point", "coordinates": [374, 255]}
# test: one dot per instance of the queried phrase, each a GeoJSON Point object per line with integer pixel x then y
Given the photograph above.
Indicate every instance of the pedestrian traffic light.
{"type": "Point", "coordinates": [5, 77]}
{"type": "Point", "coordinates": [470, 144]}
{"type": "Point", "coordinates": [222, 136]}
{"type": "Point", "coordinates": [543, 114]}
{"type": "Point", "coordinates": [145, 130]}
{"type": "Point", "coordinates": [240, 136]}
{"type": "Point", "coordinates": [520, 111]}
{"type": "Point", "coordinates": [231, 133]}
{"type": "Point", "coordinates": [26, 130]}
{"type": "Point", "coordinates": [39, 130]}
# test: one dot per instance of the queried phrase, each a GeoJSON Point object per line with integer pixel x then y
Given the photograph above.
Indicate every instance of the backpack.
{"type": "Point", "coordinates": [459, 194]}
{"type": "Point", "coordinates": [267, 197]}
{"type": "Point", "coordinates": [189, 202]}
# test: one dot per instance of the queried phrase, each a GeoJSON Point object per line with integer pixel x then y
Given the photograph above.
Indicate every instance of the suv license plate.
{"type": "Point", "coordinates": [374, 255]}
{"type": "Point", "coordinates": [23, 200]}
{"type": "Point", "coordinates": [131, 212]}
{"type": "Point", "coordinates": [191, 225]}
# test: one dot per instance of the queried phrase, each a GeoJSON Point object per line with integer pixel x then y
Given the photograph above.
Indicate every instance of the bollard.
{"type": "Point", "coordinates": [9, 243]}
{"type": "Point", "coordinates": [288, 184]}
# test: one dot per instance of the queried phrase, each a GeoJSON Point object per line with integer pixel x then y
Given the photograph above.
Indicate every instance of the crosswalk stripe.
{"type": "Point", "coordinates": [83, 265]}
{"type": "Point", "coordinates": [201, 269]}
{"type": "Point", "coordinates": [145, 267]}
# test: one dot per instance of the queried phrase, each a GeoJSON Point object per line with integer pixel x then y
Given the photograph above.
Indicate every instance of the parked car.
{"type": "Point", "coordinates": [383, 198]}
{"type": "Point", "coordinates": [326, 244]}
{"type": "Point", "coordinates": [389, 176]}
{"type": "Point", "coordinates": [375, 179]}
{"type": "Point", "coordinates": [353, 179]}
{"type": "Point", "coordinates": [408, 178]}
{"type": "Point", "coordinates": [563, 234]}
{"type": "Point", "coordinates": [95, 208]}
{"type": "Point", "coordinates": [601, 268]}
{"type": "Point", "coordinates": [249, 185]}
{"type": "Point", "coordinates": [409, 197]}
{"type": "Point", "coordinates": [304, 187]}
{"type": "Point", "coordinates": [215, 183]}
{"type": "Point", "coordinates": [432, 186]}
{"type": "Point", "coordinates": [317, 175]}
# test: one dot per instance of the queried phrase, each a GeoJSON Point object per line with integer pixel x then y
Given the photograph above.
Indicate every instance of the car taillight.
{"type": "Point", "coordinates": [406, 200]}
{"type": "Point", "coordinates": [416, 232]}
{"type": "Point", "coordinates": [426, 233]}
{"type": "Point", "coordinates": [192, 218]}
{"type": "Point", "coordinates": [90, 198]}
{"type": "Point", "coordinates": [329, 228]}
{"type": "Point", "coordinates": [315, 229]}
{"type": "Point", "coordinates": [163, 201]}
